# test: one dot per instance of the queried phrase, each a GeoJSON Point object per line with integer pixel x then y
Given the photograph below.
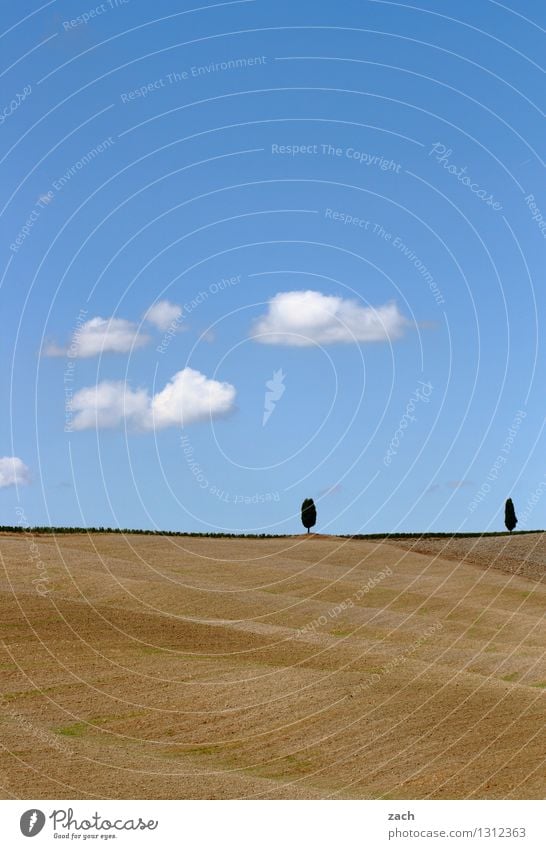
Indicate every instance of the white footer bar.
{"type": "Point", "coordinates": [275, 824]}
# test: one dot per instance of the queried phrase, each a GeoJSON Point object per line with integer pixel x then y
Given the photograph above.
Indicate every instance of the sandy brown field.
{"type": "Point", "coordinates": [164, 667]}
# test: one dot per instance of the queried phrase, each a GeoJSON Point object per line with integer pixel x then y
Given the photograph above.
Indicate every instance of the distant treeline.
{"type": "Point", "coordinates": [438, 534]}
{"type": "Point", "coordinates": [47, 529]}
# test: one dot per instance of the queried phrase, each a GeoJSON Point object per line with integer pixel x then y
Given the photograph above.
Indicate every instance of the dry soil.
{"type": "Point", "coordinates": [168, 667]}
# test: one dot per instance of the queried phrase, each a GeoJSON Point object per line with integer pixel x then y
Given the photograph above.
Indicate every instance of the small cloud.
{"type": "Point", "coordinates": [301, 319]}
{"type": "Point", "coordinates": [433, 488]}
{"type": "Point", "coordinates": [334, 489]}
{"type": "Point", "coordinates": [459, 484]}
{"type": "Point", "coordinates": [13, 472]}
{"type": "Point", "coordinates": [209, 336]}
{"type": "Point", "coordinates": [51, 349]}
{"type": "Point", "coordinates": [187, 398]}
{"type": "Point", "coordinates": [100, 336]}
{"type": "Point", "coordinates": [164, 314]}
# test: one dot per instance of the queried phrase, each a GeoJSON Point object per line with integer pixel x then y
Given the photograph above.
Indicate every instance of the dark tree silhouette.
{"type": "Point", "coordinates": [308, 514]}
{"type": "Point", "coordinates": [510, 518]}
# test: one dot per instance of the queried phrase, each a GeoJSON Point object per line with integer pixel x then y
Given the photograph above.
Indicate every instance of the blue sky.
{"type": "Point", "coordinates": [334, 213]}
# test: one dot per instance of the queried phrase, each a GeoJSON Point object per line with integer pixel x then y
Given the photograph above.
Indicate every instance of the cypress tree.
{"type": "Point", "coordinates": [510, 519]}
{"type": "Point", "coordinates": [308, 514]}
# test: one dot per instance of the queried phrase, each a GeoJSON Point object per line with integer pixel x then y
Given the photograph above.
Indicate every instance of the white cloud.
{"type": "Point", "coordinates": [13, 471]}
{"type": "Point", "coordinates": [100, 336]}
{"type": "Point", "coordinates": [308, 318]}
{"type": "Point", "coordinates": [188, 397]}
{"type": "Point", "coordinates": [108, 404]}
{"type": "Point", "coordinates": [163, 314]}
